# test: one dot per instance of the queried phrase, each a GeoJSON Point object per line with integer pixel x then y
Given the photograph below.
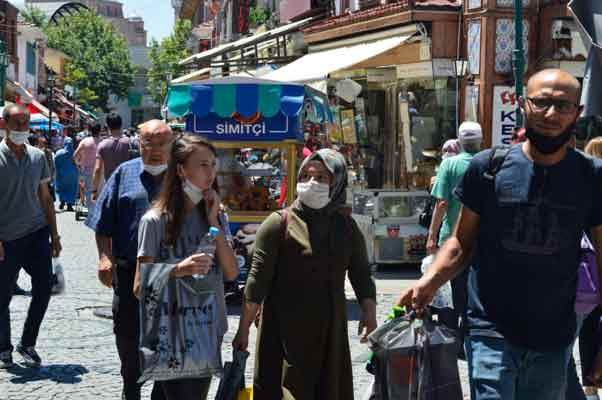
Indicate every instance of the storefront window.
{"type": "Point", "coordinates": [251, 179]}
{"type": "Point", "coordinates": [431, 112]}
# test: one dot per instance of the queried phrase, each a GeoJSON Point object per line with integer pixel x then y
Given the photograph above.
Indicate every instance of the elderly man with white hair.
{"type": "Point", "coordinates": [125, 198]}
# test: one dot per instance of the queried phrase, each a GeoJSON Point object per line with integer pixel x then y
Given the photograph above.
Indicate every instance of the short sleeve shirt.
{"type": "Point", "coordinates": [20, 180]}
{"type": "Point", "coordinates": [113, 153]}
{"type": "Point", "coordinates": [88, 148]}
{"type": "Point", "coordinates": [151, 243]}
{"type": "Point", "coordinates": [450, 172]}
{"type": "Point", "coordinates": [522, 283]}
{"type": "Point", "coordinates": [123, 201]}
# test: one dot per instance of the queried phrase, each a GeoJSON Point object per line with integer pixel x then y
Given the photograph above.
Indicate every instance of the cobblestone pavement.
{"type": "Point", "coordinates": [78, 349]}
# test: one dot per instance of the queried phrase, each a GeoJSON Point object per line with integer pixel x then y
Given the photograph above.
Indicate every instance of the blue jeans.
{"type": "Point", "coordinates": [34, 254]}
{"type": "Point", "coordinates": [87, 175]}
{"type": "Point", "coordinates": [499, 370]}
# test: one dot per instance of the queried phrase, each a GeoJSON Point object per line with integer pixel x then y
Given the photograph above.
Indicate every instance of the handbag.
{"type": "Point", "coordinates": [588, 296]}
{"type": "Point", "coordinates": [179, 326]}
{"type": "Point", "coordinates": [232, 384]}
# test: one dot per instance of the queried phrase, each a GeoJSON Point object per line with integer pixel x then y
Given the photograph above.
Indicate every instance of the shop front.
{"type": "Point", "coordinates": [396, 102]}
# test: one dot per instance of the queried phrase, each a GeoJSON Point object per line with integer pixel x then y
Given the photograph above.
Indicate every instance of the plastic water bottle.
{"type": "Point", "coordinates": [207, 246]}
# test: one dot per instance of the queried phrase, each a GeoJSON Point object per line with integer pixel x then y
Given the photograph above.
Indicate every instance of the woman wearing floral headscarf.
{"type": "Point", "coordinates": [298, 270]}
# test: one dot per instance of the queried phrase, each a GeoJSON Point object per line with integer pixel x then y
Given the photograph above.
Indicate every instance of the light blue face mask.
{"type": "Point", "coordinates": [155, 170]}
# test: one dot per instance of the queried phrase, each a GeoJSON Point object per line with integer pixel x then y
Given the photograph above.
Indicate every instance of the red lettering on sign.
{"type": "Point", "coordinates": [508, 97]}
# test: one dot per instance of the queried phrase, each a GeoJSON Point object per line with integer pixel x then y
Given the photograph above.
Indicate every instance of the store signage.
{"type": "Point", "coordinates": [444, 67]}
{"type": "Point", "coordinates": [505, 104]}
{"type": "Point", "coordinates": [213, 127]}
{"type": "Point", "coordinates": [415, 70]}
{"type": "Point", "coordinates": [381, 75]}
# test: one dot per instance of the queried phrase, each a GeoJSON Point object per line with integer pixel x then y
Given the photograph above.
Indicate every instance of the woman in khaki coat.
{"type": "Point", "coordinates": [298, 270]}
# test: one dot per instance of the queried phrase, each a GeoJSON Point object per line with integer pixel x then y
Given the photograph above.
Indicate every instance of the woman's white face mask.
{"type": "Point", "coordinates": [194, 193]}
{"type": "Point", "coordinates": [313, 194]}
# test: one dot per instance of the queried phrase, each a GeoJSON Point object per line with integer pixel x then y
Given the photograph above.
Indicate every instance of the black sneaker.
{"type": "Point", "coordinates": [30, 356]}
{"type": "Point", "coordinates": [6, 359]}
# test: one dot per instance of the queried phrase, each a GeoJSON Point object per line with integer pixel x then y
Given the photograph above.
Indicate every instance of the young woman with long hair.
{"type": "Point", "coordinates": [186, 208]}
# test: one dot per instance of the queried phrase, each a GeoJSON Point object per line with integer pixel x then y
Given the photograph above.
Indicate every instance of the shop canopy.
{"type": "Point", "coordinates": [243, 109]}
{"type": "Point", "coordinates": [40, 122]}
{"type": "Point", "coordinates": [227, 96]}
{"type": "Point", "coordinates": [314, 68]}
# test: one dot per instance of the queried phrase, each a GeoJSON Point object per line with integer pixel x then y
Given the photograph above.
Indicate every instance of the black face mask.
{"type": "Point", "coordinates": [548, 144]}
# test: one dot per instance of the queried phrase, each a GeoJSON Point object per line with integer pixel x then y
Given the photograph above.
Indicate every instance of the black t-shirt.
{"type": "Point", "coordinates": [522, 283]}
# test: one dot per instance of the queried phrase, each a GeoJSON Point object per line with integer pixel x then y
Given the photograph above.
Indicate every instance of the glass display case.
{"type": "Point", "coordinates": [395, 235]}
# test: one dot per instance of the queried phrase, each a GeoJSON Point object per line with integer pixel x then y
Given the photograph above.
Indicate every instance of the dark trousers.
{"type": "Point", "coordinates": [589, 343]}
{"type": "Point", "coordinates": [588, 349]}
{"type": "Point", "coordinates": [34, 254]}
{"type": "Point", "coordinates": [126, 326]}
{"type": "Point", "coordinates": [186, 389]}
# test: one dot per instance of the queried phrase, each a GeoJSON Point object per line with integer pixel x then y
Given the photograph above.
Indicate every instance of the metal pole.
{"type": "Point", "coordinates": [50, 88]}
{"type": "Point", "coordinates": [518, 58]}
{"type": "Point", "coordinates": [3, 67]}
{"type": "Point", "coordinates": [73, 115]}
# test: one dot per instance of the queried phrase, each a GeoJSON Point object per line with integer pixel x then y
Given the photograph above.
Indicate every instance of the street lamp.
{"type": "Point", "coordinates": [51, 81]}
{"type": "Point", "coordinates": [4, 63]}
{"type": "Point", "coordinates": [461, 67]}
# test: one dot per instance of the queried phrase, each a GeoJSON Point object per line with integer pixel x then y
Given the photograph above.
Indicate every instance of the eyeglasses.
{"type": "Point", "coordinates": [543, 104]}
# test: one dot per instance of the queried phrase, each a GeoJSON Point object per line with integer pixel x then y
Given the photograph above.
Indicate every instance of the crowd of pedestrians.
{"type": "Point", "coordinates": [506, 230]}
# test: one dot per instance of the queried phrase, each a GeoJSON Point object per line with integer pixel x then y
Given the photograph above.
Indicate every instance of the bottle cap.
{"type": "Point", "coordinates": [213, 231]}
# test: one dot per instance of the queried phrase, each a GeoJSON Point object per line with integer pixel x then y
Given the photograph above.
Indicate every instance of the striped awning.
{"type": "Point", "coordinates": [237, 95]}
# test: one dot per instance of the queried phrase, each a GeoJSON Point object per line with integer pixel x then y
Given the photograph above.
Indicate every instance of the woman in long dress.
{"type": "Point", "coordinates": [66, 175]}
{"type": "Point", "coordinates": [297, 276]}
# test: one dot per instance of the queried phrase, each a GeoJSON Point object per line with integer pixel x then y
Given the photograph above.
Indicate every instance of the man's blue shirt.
{"type": "Point", "coordinates": [124, 200]}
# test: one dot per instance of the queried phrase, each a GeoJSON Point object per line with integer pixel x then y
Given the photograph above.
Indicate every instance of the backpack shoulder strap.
{"type": "Point", "coordinates": [496, 160]}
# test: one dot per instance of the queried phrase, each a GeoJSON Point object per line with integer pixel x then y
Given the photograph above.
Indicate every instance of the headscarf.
{"type": "Point", "coordinates": [450, 148]}
{"type": "Point", "coordinates": [336, 165]}
{"type": "Point", "coordinates": [68, 146]}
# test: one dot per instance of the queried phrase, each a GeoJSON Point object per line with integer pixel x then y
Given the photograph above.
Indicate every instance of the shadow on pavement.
{"type": "Point", "coordinates": [59, 373]}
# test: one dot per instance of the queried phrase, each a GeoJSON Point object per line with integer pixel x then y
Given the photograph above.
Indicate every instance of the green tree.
{"type": "Point", "coordinates": [34, 16]}
{"type": "Point", "coordinates": [165, 58]}
{"type": "Point", "coordinates": [100, 64]}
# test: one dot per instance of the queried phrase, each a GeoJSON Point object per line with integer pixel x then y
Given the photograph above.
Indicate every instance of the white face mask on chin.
{"type": "Point", "coordinates": [194, 193]}
{"type": "Point", "coordinates": [19, 137]}
{"type": "Point", "coordinates": [155, 170]}
{"type": "Point", "coordinates": [313, 194]}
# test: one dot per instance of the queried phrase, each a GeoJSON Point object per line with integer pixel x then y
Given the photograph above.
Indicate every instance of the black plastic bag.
{"type": "Point", "coordinates": [233, 379]}
{"type": "Point", "coordinates": [415, 359]}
